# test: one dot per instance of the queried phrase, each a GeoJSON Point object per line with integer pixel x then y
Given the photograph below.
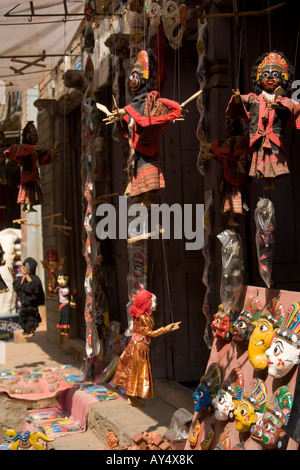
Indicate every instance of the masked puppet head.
{"type": "Point", "coordinates": [243, 326]}
{"type": "Point", "coordinates": [222, 323]}
{"type": "Point", "coordinates": [260, 339]}
{"type": "Point", "coordinates": [284, 351]}
{"type": "Point", "coordinates": [142, 73]}
{"type": "Point", "coordinates": [229, 395]}
{"type": "Point", "coordinates": [63, 280]}
{"type": "Point", "coordinates": [270, 71]}
{"type": "Point", "coordinates": [251, 406]}
{"type": "Point", "coordinates": [269, 431]}
{"type": "Point", "coordinates": [208, 388]}
{"type": "Point", "coordinates": [29, 134]}
{"type": "Point", "coordinates": [154, 10]}
{"type": "Point", "coordinates": [174, 21]}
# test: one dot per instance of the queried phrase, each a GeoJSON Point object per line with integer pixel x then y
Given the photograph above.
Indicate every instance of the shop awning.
{"type": "Point", "coordinates": [34, 36]}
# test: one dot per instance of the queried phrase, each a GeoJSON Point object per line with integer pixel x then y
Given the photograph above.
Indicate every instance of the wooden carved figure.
{"type": "Point", "coordinates": [284, 351]}
{"type": "Point", "coordinates": [270, 431]}
{"type": "Point", "coordinates": [52, 264]}
{"type": "Point", "coordinates": [207, 389]}
{"type": "Point", "coordinates": [252, 406]}
{"type": "Point", "coordinates": [142, 121]}
{"type": "Point", "coordinates": [244, 324]}
{"type": "Point", "coordinates": [29, 155]}
{"type": "Point", "coordinates": [262, 335]}
{"type": "Point", "coordinates": [134, 370]}
{"type": "Point", "coordinates": [31, 295]}
{"type": "Point", "coordinates": [268, 111]}
{"type": "Point", "coordinates": [64, 296]}
{"type": "Point", "coordinates": [229, 395]}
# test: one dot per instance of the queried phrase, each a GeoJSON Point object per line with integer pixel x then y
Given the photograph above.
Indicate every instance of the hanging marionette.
{"type": "Point", "coordinates": [232, 152]}
{"type": "Point", "coordinates": [64, 296]}
{"type": "Point", "coordinates": [268, 111]}
{"type": "Point", "coordinates": [30, 156]}
{"type": "Point", "coordinates": [142, 121]}
{"type": "Point", "coordinates": [134, 370]}
{"type": "Point", "coordinates": [31, 295]}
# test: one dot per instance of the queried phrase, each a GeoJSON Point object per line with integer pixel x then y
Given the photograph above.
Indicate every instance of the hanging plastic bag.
{"type": "Point", "coordinates": [232, 269]}
{"type": "Point", "coordinates": [264, 216]}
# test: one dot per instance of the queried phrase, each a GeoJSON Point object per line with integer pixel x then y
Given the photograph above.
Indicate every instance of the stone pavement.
{"type": "Point", "coordinates": [103, 416]}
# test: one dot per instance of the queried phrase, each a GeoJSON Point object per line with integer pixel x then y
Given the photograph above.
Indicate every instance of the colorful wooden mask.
{"type": "Point", "coordinates": [222, 323]}
{"type": "Point", "coordinates": [284, 351]}
{"type": "Point", "coordinates": [174, 21]}
{"type": "Point", "coordinates": [243, 326]}
{"type": "Point", "coordinates": [251, 406]}
{"type": "Point", "coordinates": [272, 70]}
{"type": "Point", "coordinates": [260, 339]}
{"type": "Point", "coordinates": [154, 10]}
{"type": "Point", "coordinates": [229, 396]}
{"type": "Point", "coordinates": [208, 388]}
{"type": "Point", "coordinates": [269, 431]}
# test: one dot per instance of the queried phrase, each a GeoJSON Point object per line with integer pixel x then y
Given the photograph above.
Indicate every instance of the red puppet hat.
{"type": "Point", "coordinates": [141, 304]}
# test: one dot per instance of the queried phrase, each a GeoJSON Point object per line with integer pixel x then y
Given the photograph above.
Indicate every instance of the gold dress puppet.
{"type": "Point", "coordinates": [134, 370]}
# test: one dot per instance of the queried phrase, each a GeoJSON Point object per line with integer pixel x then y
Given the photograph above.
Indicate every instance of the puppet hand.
{"type": "Point", "coordinates": [37, 147]}
{"type": "Point", "coordinates": [173, 326]}
{"type": "Point", "coordinates": [205, 151]}
{"type": "Point", "coordinates": [115, 116]}
{"type": "Point", "coordinates": [237, 96]}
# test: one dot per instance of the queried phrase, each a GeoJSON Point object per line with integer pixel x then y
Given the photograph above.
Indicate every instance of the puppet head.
{"type": "Point", "coordinates": [63, 280]}
{"type": "Point", "coordinates": [243, 326]}
{"type": "Point", "coordinates": [251, 406]}
{"type": "Point", "coordinates": [272, 70]}
{"type": "Point", "coordinates": [154, 10]}
{"type": "Point", "coordinates": [143, 303]}
{"type": "Point", "coordinates": [222, 323]}
{"type": "Point", "coordinates": [29, 134]}
{"type": "Point", "coordinates": [269, 431]}
{"type": "Point", "coordinates": [260, 339]}
{"type": "Point", "coordinates": [229, 395]}
{"type": "Point", "coordinates": [142, 73]}
{"type": "Point", "coordinates": [284, 351]}
{"type": "Point", "coordinates": [174, 21]}
{"type": "Point", "coordinates": [208, 388]}
{"type": "Point", "coordinates": [30, 265]}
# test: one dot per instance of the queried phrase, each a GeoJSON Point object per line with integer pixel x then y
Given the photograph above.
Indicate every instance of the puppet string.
{"type": "Point", "coordinates": [167, 278]}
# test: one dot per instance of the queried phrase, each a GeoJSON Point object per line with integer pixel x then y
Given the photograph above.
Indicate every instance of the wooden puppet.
{"type": "Point", "coordinates": [268, 111]}
{"type": "Point", "coordinates": [233, 153]}
{"type": "Point", "coordinates": [29, 155]}
{"type": "Point", "coordinates": [142, 121]}
{"type": "Point", "coordinates": [64, 296]}
{"type": "Point", "coordinates": [134, 370]}
{"type": "Point", "coordinates": [52, 263]}
{"type": "Point", "coordinates": [3, 286]}
{"type": "Point", "coordinates": [31, 295]}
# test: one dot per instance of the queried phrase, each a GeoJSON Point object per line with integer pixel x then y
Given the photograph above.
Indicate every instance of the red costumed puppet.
{"type": "Point", "coordinates": [143, 120]}
{"type": "Point", "coordinates": [30, 156]}
{"type": "Point", "coordinates": [134, 370]}
{"type": "Point", "coordinates": [268, 111]}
